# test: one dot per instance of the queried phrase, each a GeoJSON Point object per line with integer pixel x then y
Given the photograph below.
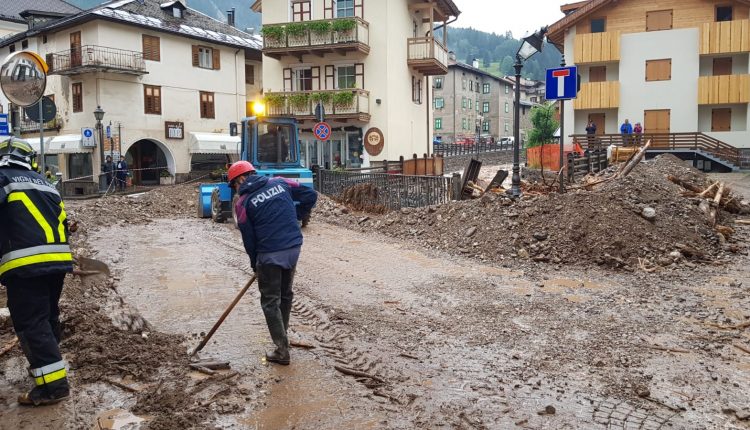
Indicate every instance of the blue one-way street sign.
{"type": "Point", "coordinates": [562, 83]}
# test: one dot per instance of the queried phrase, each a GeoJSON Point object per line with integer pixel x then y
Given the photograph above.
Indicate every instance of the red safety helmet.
{"type": "Point", "coordinates": [238, 169]}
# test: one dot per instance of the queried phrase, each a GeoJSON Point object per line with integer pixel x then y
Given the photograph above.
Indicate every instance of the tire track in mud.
{"type": "Point", "coordinates": [331, 338]}
{"type": "Point", "coordinates": [617, 414]}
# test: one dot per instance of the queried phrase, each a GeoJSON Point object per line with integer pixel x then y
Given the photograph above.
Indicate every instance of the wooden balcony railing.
{"type": "Point", "coordinates": [597, 47]}
{"type": "Point", "coordinates": [713, 90]}
{"type": "Point", "coordinates": [320, 36]}
{"type": "Point", "coordinates": [725, 37]}
{"type": "Point", "coordinates": [598, 95]}
{"type": "Point", "coordinates": [427, 55]}
{"type": "Point", "coordinates": [302, 104]}
{"type": "Point", "coordinates": [665, 141]}
{"type": "Point", "coordinates": [92, 58]}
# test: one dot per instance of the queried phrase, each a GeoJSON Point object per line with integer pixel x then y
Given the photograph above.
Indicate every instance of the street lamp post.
{"type": "Point", "coordinates": [530, 46]}
{"type": "Point", "coordinates": [479, 131]}
{"type": "Point", "coordinates": [99, 115]}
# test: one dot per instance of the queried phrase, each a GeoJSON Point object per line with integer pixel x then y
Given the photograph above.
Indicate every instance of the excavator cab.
{"type": "Point", "coordinates": [272, 146]}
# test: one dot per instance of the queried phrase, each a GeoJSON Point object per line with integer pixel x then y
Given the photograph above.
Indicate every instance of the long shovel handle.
{"type": "Point", "coordinates": [224, 316]}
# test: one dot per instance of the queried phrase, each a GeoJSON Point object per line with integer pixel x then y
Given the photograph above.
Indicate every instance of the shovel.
{"type": "Point", "coordinates": [224, 316]}
{"type": "Point", "coordinates": [90, 266]}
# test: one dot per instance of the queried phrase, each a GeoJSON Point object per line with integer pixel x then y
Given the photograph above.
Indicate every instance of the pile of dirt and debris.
{"type": "Point", "coordinates": [641, 221]}
{"type": "Point", "coordinates": [179, 201]}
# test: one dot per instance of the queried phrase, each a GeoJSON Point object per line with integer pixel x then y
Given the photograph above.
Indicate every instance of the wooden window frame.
{"type": "Point", "coordinates": [597, 69]}
{"type": "Point", "coordinates": [250, 74]}
{"type": "Point", "coordinates": [600, 18]}
{"type": "Point", "coordinates": [658, 76]}
{"type": "Point", "coordinates": [671, 20]}
{"type": "Point", "coordinates": [304, 13]}
{"type": "Point", "coordinates": [207, 104]}
{"type": "Point", "coordinates": [152, 103]}
{"type": "Point", "coordinates": [716, 12]}
{"type": "Point", "coordinates": [77, 96]}
{"type": "Point", "coordinates": [214, 54]}
{"type": "Point", "coordinates": [151, 47]}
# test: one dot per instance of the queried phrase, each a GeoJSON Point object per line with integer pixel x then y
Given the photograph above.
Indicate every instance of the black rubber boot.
{"type": "Point", "coordinates": [279, 356]}
{"type": "Point", "coordinates": [47, 394]}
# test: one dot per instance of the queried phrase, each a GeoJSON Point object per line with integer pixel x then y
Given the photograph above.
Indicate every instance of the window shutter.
{"type": "Point", "coordinates": [50, 59]}
{"type": "Point", "coordinates": [287, 79]}
{"type": "Point", "coordinates": [359, 8]}
{"type": "Point", "coordinates": [330, 78]}
{"type": "Point", "coordinates": [328, 9]}
{"type": "Point", "coordinates": [216, 60]}
{"type": "Point", "coordinates": [196, 56]}
{"type": "Point", "coordinates": [315, 71]}
{"type": "Point", "coordinates": [359, 75]}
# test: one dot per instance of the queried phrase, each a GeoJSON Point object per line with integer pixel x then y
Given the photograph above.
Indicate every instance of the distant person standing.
{"type": "Point", "coordinates": [121, 174]}
{"type": "Point", "coordinates": [591, 132]}
{"type": "Point", "coordinates": [109, 168]}
{"type": "Point", "coordinates": [626, 130]}
{"type": "Point", "coordinates": [638, 131]}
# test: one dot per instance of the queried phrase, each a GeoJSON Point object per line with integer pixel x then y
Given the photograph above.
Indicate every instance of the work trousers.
{"type": "Point", "coordinates": [275, 285]}
{"type": "Point", "coordinates": [33, 305]}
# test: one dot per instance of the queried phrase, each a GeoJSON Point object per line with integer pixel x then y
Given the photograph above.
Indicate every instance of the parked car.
{"type": "Point", "coordinates": [506, 141]}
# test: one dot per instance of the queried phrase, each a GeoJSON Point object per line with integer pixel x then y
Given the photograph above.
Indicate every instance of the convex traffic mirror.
{"type": "Point", "coordinates": [23, 78]}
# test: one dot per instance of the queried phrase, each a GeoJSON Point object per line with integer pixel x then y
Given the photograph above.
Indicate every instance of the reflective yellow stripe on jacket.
{"type": "Point", "coordinates": [35, 255]}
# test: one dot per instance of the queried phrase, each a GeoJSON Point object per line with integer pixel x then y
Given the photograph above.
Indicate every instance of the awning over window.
{"type": "Point", "coordinates": [66, 144]}
{"type": "Point", "coordinates": [34, 142]}
{"type": "Point", "coordinates": [214, 143]}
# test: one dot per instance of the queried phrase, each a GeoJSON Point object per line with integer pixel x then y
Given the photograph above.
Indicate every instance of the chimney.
{"type": "Point", "coordinates": [230, 17]}
{"type": "Point", "coordinates": [475, 63]}
{"type": "Point", "coordinates": [452, 55]}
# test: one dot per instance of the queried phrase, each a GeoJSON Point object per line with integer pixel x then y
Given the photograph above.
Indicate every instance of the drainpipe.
{"type": "Point", "coordinates": [236, 89]}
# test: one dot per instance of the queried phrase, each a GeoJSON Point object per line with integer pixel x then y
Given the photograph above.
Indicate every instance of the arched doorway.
{"type": "Point", "coordinates": [146, 159]}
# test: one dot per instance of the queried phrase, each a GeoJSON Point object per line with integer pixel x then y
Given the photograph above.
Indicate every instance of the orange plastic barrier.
{"type": "Point", "coordinates": [549, 155]}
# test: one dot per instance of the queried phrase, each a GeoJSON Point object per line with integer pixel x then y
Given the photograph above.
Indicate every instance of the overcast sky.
{"type": "Point", "coordinates": [499, 16]}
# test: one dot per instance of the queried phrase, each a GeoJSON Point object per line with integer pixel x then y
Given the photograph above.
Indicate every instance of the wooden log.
{"type": "Point", "coordinates": [726, 231]}
{"type": "Point", "coordinates": [742, 221]}
{"type": "Point", "coordinates": [5, 349]}
{"type": "Point", "coordinates": [202, 369]}
{"type": "Point", "coordinates": [357, 373]}
{"type": "Point", "coordinates": [213, 365]}
{"type": "Point", "coordinates": [634, 162]}
{"type": "Point", "coordinates": [684, 184]}
{"type": "Point", "coordinates": [715, 206]}
{"type": "Point", "coordinates": [705, 192]}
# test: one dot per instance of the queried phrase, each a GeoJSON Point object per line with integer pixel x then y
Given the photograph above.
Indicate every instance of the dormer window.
{"type": "Point", "coordinates": [176, 12]}
{"type": "Point", "coordinates": [176, 8]}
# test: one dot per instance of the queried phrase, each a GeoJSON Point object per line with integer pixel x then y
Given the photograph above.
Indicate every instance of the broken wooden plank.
{"type": "Point", "coordinates": [5, 349]}
{"type": "Point", "coordinates": [353, 372]}
{"type": "Point", "coordinates": [204, 370]}
{"type": "Point", "coordinates": [742, 348]}
{"type": "Point", "coordinates": [121, 385]}
{"type": "Point", "coordinates": [715, 206]}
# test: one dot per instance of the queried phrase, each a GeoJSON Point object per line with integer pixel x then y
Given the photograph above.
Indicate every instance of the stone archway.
{"type": "Point", "coordinates": [146, 159]}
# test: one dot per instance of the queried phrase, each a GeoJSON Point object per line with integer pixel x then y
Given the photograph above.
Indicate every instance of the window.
{"type": "Point", "coordinates": [463, 123]}
{"type": "Point", "coordinates": [438, 82]}
{"type": "Point", "coordinates": [24, 44]}
{"type": "Point", "coordinates": [249, 74]}
{"type": "Point", "coordinates": [486, 88]}
{"type": "Point", "coordinates": [346, 77]}
{"type": "Point", "coordinates": [533, 99]}
{"type": "Point", "coordinates": [152, 99]}
{"type": "Point", "coordinates": [722, 66]}
{"type": "Point", "coordinates": [77, 91]}
{"type": "Point", "coordinates": [476, 104]}
{"type": "Point", "coordinates": [207, 105]}
{"type": "Point", "coordinates": [344, 8]}
{"type": "Point", "coordinates": [658, 70]}
{"type": "Point", "coordinates": [507, 89]}
{"type": "Point", "coordinates": [469, 104]}
{"type": "Point", "coordinates": [486, 107]}
{"type": "Point", "coordinates": [598, 25]}
{"type": "Point", "coordinates": [471, 85]}
{"type": "Point", "coordinates": [486, 126]}
{"type": "Point", "coordinates": [463, 84]}
{"type": "Point", "coordinates": [177, 12]}
{"type": "Point", "coordinates": [303, 79]}
{"type": "Point", "coordinates": [416, 90]}
{"type": "Point", "coordinates": [12, 48]}
{"type": "Point", "coordinates": [723, 13]}
{"type": "Point", "coordinates": [44, 39]}
{"type": "Point", "coordinates": [507, 126]}
{"type": "Point", "coordinates": [659, 20]}
{"type": "Point", "coordinates": [275, 144]}
{"type": "Point", "coordinates": [151, 49]}
{"type": "Point", "coordinates": [598, 74]}
{"type": "Point", "coordinates": [301, 10]}
{"type": "Point", "coordinates": [438, 123]}
{"type": "Point", "coordinates": [476, 87]}
{"type": "Point", "coordinates": [721, 119]}
{"type": "Point", "coordinates": [439, 103]}
{"type": "Point", "coordinates": [507, 107]}
{"type": "Point", "coordinates": [463, 102]}
{"type": "Point", "coordinates": [206, 58]}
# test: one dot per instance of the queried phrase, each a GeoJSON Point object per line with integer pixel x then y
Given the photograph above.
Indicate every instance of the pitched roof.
{"type": "Point", "coordinates": [580, 10]}
{"type": "Point", "coordinates": [449, 5]}
{"type": "Point", "coordinates": [149, 14]}
{"type": "Point", "coordinates": [11, 9]}
{"type": "Point", "coordinates": [473, 69]}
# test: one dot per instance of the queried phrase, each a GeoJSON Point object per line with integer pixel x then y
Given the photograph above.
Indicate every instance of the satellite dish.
{"type": "Point", "coordinates": [23, 78]}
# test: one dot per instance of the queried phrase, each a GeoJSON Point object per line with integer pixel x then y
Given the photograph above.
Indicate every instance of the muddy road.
{"type": "Point", "coordinates": [450, 343]}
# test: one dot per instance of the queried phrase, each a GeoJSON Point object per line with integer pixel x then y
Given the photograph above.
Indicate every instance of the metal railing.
{"type": "Point", "coordinates": [29, 126]}
{"type": "Point", "coordinates": [664, 141]}
{"type": "Point", "coordinates": [96, 58]}
{"type": "Point", "coordinates": [468, 146]}
{"type": "Point", "coordinates": [285, 104]}
{"type": "Point", "coordinates": [312, 39]}
{"type": "Point", "coordinates": [381, 192]}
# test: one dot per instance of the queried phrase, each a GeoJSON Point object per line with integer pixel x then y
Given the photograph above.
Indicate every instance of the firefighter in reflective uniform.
{"type": "Point", "coordinates": [35, 259]}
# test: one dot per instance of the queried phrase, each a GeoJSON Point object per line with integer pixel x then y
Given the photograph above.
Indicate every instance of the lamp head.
{"type": "Point", "coordinates": [99, 113]}
{"type": "Point", "coordinates": [259, 109]}
{"type": "Point", "coordinates": [532, 44]}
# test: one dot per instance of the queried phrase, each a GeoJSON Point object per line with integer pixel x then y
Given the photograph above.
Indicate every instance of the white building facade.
{"type": "Point", "coordinates": [169, 79]}
{"type": "Point", "coordinates": [367, 62]}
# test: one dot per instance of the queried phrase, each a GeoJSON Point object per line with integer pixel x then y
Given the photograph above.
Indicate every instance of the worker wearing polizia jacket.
{"type": "Point", "coordinates": [267, 218]}
{"type": "Point", "coordinates": [35, 258]}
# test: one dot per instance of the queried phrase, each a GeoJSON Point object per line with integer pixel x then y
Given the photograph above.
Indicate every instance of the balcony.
{"type": "Point", "coordinates": [597, 47]}
{"type": "Point", "coordinates": [340, 35]}
{"type": "Point", "coordinates": [714, 90]}
{"type": "Point", "coordinates": [427, 56]}
{"type": "Point", "coordinates": [598, 95]}
{"type": "Point", "coordinates": [342, 105]}
{"type": "Point", "coordinates": [92, 58]}
{"type": "Point", "coordinates": [725, 37]}
{"type": "Point", "coordinates": [27, 126]}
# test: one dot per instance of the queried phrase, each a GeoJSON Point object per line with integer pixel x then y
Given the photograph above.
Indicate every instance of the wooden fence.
{"type": "Point", "coordinates": [591, 162]}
